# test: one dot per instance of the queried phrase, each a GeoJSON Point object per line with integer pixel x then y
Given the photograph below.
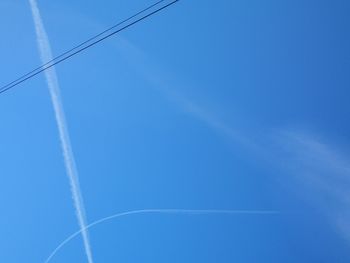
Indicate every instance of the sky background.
{"type": "Point", "coordinates": [207, 105]}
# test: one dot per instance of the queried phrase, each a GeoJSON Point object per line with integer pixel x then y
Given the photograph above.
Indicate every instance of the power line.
{"type": "Point", "coordinates": [83, 46]}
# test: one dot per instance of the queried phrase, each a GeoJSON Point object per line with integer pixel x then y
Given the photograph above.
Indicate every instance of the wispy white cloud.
{"type": "Point", "coordinates": [51, 77]}
{"type": "Point", "coordinates": [324, 173]}
{"type": "Point", "coordinates": [170, 87]}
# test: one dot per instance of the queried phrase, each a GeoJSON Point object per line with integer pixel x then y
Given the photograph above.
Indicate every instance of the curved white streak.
{"type": "Point", "coordinates": [159, 211]}
{"type": "Point", "coordinates": [51, 77]}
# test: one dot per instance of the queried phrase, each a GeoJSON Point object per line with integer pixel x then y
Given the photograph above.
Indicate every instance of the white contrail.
{"type": "Point", "coordinates": [51, 77]}
{"type": "Point", "coordinates": [159, 211]}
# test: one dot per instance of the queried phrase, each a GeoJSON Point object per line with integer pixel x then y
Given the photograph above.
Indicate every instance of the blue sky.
{"type": "Point", "coordinates": [208, 105]}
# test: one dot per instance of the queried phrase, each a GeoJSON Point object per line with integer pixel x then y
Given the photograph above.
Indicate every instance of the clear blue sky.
{"type": "Point", "coordinates": [208, 105]}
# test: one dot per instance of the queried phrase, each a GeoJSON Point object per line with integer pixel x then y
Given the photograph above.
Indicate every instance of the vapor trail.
{"type": "Point", "coordinates": [159, 211]}
{"type": "Point", "coordinates": [51, 78]}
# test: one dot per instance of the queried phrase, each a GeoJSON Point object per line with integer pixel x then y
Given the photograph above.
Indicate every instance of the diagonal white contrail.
{"type": "Point", "coordinates": [51, 77]}
{"type": "Point", "coordinates": [161, 211]}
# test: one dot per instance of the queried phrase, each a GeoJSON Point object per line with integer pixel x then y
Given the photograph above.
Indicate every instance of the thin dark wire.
{"type": "Point", "coordinates": [82, 44]}
{"type": "Point", "coordinates": [47, 66]}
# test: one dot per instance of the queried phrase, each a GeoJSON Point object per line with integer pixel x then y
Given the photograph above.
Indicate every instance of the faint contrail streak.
{"type": "Point", "coordinates": [51, 77]}
{"type": "Point", "coordinates": [159, 211]}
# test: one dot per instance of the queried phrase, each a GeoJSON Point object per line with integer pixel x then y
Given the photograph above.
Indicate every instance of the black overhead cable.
{"type": "Point", "coordinates": [80, 45]}
{"type": "Point", "coordinates": [83, 46]}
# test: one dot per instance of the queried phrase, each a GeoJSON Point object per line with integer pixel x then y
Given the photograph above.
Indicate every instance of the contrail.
{"type": "Point", "coordinates": [52, 82]}
{"type": "Point", "coordinates": [159, 211]}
